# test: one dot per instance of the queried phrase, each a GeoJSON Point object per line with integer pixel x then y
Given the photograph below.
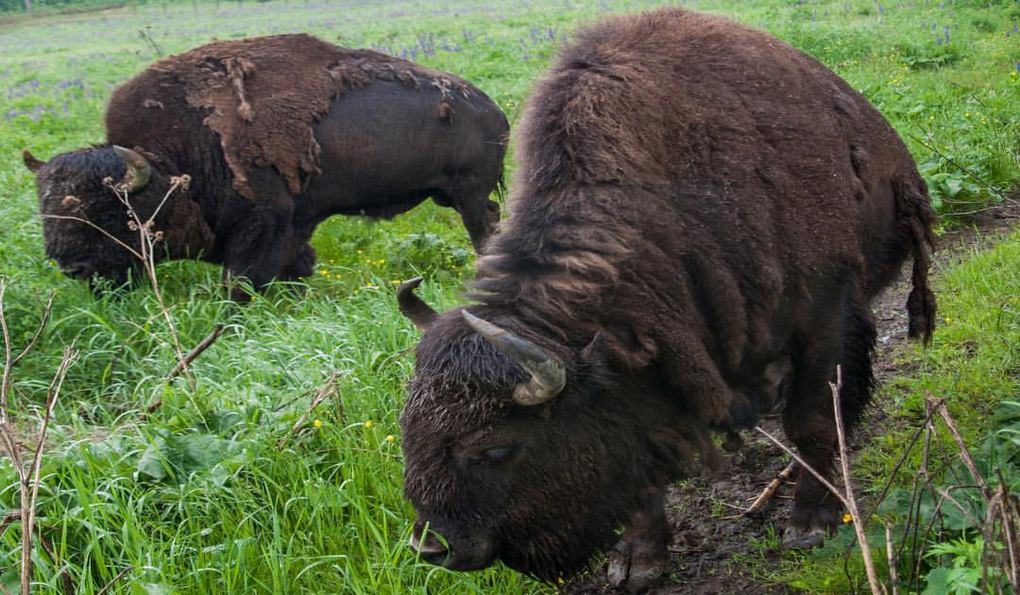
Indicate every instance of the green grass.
{"type": "Point", "coordinates": [198, 498]}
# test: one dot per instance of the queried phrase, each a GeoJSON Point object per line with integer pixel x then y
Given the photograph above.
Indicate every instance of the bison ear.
{"type": "Point", "coordinates": [33, 164]}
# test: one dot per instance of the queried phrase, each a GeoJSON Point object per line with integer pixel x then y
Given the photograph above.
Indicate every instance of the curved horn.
{"type": "Point", "coordinates": [33, 164]}
{"type": "Point", "coordinates": [138, 169]}
{"type": "Point", "coordinates": [547, 374]}
{"type": "Point", "coordinates": [413, 307]}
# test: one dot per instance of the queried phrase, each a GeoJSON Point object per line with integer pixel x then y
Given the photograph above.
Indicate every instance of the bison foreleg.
{"type": "Point", "coordinates": [639, 559]}
{"type": "Point", "coordinates": [263, 243]}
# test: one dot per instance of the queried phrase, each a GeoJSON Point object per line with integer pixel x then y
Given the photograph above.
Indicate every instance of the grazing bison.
{"type": "Point", "coordinates": [698, 221]}
{"type": "Point", "coordinates": [277, 134]}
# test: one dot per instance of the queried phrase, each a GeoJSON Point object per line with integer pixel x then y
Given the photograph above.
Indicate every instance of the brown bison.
{"type": "Point", "coordinates": [277, 134]}
{"type": "Point", "coordinates": [697, 223]}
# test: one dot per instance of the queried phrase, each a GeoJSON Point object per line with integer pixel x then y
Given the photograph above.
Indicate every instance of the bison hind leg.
{"type": "Point", "coordinates": [808, 418]}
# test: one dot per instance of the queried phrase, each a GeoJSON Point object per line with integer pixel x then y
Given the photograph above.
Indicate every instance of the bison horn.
{"type": "Point", "coordinates": [33, 164]}
{"type": "Point", "coordinates": [138, 169]}
{"type": "Point", "coordinates": [413, 307]}
{"type": "Point", "coordinates": [547, 374]}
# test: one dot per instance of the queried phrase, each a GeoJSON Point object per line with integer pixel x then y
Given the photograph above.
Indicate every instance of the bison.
{"type": "Point", "coordinates": [277, 133]}
{"type": "Point", "coordinates": [698, 220]}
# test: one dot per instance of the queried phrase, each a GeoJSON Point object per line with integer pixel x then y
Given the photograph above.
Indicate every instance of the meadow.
{"type": "Point", "coordinates": [216, 490]}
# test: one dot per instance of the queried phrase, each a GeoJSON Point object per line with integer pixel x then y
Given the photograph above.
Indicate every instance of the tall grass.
{"type": "Point", "coordinates": [197, 497]}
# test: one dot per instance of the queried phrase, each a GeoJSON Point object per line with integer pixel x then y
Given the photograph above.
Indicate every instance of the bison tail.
{"type": "Point", "coordinates": [916, 214]}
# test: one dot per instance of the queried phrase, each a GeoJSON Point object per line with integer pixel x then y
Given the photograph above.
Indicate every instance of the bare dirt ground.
{"type": "Point", "coordinates": [713, 543]}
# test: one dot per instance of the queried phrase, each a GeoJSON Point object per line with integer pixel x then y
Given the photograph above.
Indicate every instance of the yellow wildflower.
{"type": "Point", "coordinates": [391, 438]}
{"type": "Point", "coordinates": [847, 518]}
{"type": "Point", "coordinates": [368, 424]}
{"type": "Point", "coordinates": [317, 423]}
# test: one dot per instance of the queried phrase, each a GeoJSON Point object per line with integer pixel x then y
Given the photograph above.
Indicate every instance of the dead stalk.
{"type": "Point", "coordinates": [846, 498]}
{"type": "Point", "coordinates": [147, 242]}
{"type": "Point", "coordinates": [28, 476]}
{"type": "Point", "coordinates": [940, 406]}
{"type": "Point", "coordinates": [329, 388]}
{"type": "Point", "coordinates": [890, 558]}
{"type": "Point", "coordinates": [196, 351]}
{"type": "Point", "coordinates": [113, 582]}
{"type": "Point", "coordinates": [851, 501]}
{"type": "Point", "coordinates": [785, 475]}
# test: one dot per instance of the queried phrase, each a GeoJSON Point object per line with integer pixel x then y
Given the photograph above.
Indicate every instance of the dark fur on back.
{"type": "Point", "coordinates": [698, 220]}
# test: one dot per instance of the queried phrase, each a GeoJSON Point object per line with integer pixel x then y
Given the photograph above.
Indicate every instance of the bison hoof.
{"type": "Point", "coordinates": [635, 567]}
{"type": "Point", "coordinates": [798, 538]}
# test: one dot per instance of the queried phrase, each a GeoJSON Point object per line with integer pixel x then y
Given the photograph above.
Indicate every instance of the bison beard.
{"type": "Point", "coordinates": [277, 133]}
{"type": "Point", "coordinates": [698, 221]}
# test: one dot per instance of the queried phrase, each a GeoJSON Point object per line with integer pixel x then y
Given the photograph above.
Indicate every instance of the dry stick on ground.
{"type": "Point", "coordinates": [770, 490]}
{"type": "Point", "coordinates": [28, 477]}
{"type": "Point", "coordinates": [328, 389]}
{"type": "Point", "coordinates": [113, 582]}
{"type": "Point", "coordinates": [846, 498]}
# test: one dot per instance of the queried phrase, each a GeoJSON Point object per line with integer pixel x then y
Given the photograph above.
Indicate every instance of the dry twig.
{"type": "Point", "coordinates": [785, 475]}
{"type": "Point", "coordinates": [28, 476]}
{"type": "Point", "coordinates": [846, 498]}
{"type": "Point", "coordinates": [196, 351]}
{"type": "Point", "coordinates": [328, 389]}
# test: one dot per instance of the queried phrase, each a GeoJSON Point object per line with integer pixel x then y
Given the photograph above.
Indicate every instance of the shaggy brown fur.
{"type": "Point", "coordinates": [261, 116]}
{"type": "Point", "coordinates": [716, 209]}
{"type": "Point", "coordinates": [277, 134]}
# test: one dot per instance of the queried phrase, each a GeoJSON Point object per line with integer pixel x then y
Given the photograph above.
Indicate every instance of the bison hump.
{"type": "Point", "coordinates": [263, 96]}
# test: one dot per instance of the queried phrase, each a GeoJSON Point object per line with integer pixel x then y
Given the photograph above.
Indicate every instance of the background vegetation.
{"type": "Point", "coordinates": [212, 492]}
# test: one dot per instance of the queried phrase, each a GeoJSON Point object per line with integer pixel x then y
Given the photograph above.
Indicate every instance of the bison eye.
{"type": "Point", "coordinates": [498, 454]}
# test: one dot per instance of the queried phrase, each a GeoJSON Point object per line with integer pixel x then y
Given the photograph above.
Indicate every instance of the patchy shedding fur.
{"type": "Point", "coordinates": [698, 220]}
{"type": "Point", "coordinates": [262, 117]}
{"type": "Point", "coordinates": [277, 134]}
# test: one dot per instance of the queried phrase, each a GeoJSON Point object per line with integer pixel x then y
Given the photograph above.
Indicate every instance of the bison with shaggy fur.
{"type": "Point", "coordinates": [697, 223]}
{"type": "Point", "coordinates": [277, 133]}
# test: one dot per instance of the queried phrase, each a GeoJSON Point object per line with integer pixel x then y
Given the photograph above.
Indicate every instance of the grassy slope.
{"type": "Point", "coordinates": [198, 498]}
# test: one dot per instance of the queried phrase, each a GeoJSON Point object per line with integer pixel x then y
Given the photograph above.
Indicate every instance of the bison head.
{"type": "Point", "coordinates": [86, 225]}
{"type": "Point", "coordinates": [521, 449]}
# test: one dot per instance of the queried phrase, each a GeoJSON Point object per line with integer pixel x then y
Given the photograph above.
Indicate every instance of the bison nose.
{"type": "Point", "coordinates": [428, 547]}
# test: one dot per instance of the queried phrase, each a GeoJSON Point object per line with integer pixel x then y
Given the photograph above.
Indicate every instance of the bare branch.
{"type": "Point", "coordinates": [890, 558]}
{"type": "Point", "coordinates": [940, 406]}
{"type": "Point", "coordinates": [785, 475]}
{"type": "Point", "coordinates": [328, 389]}
{"type": "Point", "coordinates": [110, 584]}
{"type": "Point", "coordinates": [851, 501]}
{"type": "Point", "coordinates": [47, 310]}
{"type": "Point", "coordinates": [30, 492]}
{"type": "Point", "coordinates": [96, 227]}
{"type": "Point", "coordinates": [821, 479]}
{"type": "Point", "coordinates": [196, 351]}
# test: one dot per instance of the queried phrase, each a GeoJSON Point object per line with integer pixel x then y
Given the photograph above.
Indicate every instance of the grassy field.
{"type": "Point", "coordinates": [213, 493]}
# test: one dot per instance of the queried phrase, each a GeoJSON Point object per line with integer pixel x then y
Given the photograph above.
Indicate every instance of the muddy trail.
{"type": "Point", "coordinates": [716, 548]}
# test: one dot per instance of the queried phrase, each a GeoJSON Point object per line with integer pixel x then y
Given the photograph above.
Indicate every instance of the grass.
{"type": "Point", "coordinates": [198, 497]}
